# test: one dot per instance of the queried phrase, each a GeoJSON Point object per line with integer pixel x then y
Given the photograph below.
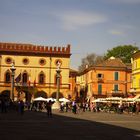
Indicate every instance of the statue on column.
{"type": "Point", "coordinates": [58, 65]}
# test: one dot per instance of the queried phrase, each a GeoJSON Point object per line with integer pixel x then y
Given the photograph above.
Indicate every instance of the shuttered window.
{"type": "Point", "coordinates": [116, 76]}
{"type": "Point", "coordinates": [99, 89]}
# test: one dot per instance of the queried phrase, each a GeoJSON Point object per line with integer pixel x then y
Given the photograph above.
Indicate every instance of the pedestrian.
{"type": "Point", "coordinates": [21, 107]}
{"type": "Point", "coordinates": [137, 108]}
{"type": "Point", "coordinates": [67, 107]}
{"type": "Point", "coordinates": [62, 107]}
{"type": "Point", "coordinates": [49, 108]}
{"type": "Point", "coordinates": [74, 107]}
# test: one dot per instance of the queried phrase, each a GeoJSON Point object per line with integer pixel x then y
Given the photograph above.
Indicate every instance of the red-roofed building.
{"type": "Point", "coordinates": [109, 78]}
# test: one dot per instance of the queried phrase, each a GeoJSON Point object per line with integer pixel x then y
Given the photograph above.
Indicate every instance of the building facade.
{"type": "Point", "coordinates": [35, 72]}
{"type": "Point", "coordinates": [72, 81]}
{"type": "Point", "coordinates": [110, 78]}
{"type": "Point", "coordinates": [136, 73]}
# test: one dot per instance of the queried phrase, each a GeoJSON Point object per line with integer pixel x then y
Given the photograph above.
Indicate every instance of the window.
{"type": "Point", "coordinates": [24, 78]}
{"type": "Point", "coordinates": [99, 89]}
{"type": "Point", "coordinates": [7, 77]}
{"type": "Point", "coordinates": [41, 78]}
{"type": "Point", "coordinates": [99, 75]}
{"type": "Point", "coordinates": [58, 61]}
{"type": "Point", "coordinates": [116, 76]}
{"type": "Point", "coordinates": [8, 60]}
{"type": "Point", "coordinates": [42, 62]}
{"type": "Point", "coordinates": [25, 61]}
{"type": "Point", "coordinates": [135, 64]}
{"type": "Point", "coordinates": [115, 87]}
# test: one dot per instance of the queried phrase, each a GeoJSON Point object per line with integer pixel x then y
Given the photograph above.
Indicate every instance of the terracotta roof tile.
{"type": "Point", "coordinates": [116, 62]}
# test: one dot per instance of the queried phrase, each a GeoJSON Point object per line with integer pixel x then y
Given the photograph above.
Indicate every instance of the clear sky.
{"type": "Point", "coordinates": [90, 26]}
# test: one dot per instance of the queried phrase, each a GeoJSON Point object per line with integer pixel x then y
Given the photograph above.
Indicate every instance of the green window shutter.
{"type": "Point", "coordinates": [99, 89]}
{"type": "Point", "coordinates": [116, 76]}
{"type": "Point", "coordinates": [116, 88]}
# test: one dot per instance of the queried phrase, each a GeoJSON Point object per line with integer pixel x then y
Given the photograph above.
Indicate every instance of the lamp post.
{"type": "Point", "coordinates": [12, 80]}
{"type": "Point", "coordinates": [56, 105]}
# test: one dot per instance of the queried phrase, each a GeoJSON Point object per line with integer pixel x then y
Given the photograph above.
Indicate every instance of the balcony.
{"type": "Point", "coordinates": [117, 93]}
{"type": "Point", "coordinates": [100, 80]}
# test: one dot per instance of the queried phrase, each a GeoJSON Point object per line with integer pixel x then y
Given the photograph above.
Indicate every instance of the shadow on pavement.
{"type": "Point", "coordinates": [36, 125]}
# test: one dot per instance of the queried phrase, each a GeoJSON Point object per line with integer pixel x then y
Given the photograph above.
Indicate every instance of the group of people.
{"type": "Point", "coordinates": [7, 105]}
{"type": "Point", "coordinates": [73, 106]}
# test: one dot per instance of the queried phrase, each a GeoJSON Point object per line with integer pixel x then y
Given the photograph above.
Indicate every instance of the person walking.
{"type": "Point", "coordinates": [49, 108]}
{"type": "Point", "coordinates": [21, 107]}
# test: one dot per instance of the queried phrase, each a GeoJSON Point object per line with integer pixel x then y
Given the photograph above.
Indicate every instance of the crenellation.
{"type": "Point", "coordinates": [55, 49]}
{"type": "Point", "coordinates": [59, 49]}
{"type": "Point", "coordinates": [46, 49]}
{"type": "Point", "coordinates": [34, 48]}
{"type": "Point", "coordinates": [68, 48]}
{"type": "Point", "coordinates": [50, 49]}
{"type": "Point", "coordinates": [63, 49]}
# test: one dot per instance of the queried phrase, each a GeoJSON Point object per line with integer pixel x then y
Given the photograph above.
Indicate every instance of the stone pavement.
{"type": "Point", "coordinates": [67, 126]}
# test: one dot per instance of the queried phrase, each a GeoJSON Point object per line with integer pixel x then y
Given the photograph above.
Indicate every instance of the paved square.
{"type": "Point", "coordinates": [67, 126]}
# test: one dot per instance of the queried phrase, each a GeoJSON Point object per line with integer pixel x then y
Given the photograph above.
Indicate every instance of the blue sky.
{"type": "Point", "coordinates": [90, 26]}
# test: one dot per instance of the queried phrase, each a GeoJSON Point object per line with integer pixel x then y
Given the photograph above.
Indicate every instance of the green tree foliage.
{"type": "Point", "coordinates": [124, 52]}
{"type": "Point", "coordinates": [90, 60]}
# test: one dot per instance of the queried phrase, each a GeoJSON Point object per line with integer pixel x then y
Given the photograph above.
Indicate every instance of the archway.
{"type": "Point", "coordinates": [24, 93]}
{"type": "Point", "coordinates": [5, 94]}
{"type": "Point", "coordinates": [54, 95]}
{"type": "Point", "coordinates": [40, 94]}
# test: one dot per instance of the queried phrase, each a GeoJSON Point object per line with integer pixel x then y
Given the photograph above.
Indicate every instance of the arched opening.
{"type": "Point", "coordinates": [40, 94]}
{"type": "Point", "coordinates": [54, 95]}
{"type": "Point", "coordinates": [7, 77]}
{"type": "Point", "coordinates": [41, 78]}
{"type": "Point", "coordinates": [5, 94]}
{"type": "Point", "coordinates": [24, 78]}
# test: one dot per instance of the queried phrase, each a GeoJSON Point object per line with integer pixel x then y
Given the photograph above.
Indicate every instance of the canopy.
{"type": "Point", "coordinates": [39, 99]}
{"type": "Point", "coordinates": [100, 100]}
{"type": "Point", "coordinates": [51, 99]}
{"type": "Point", "coordinates": [64, 100]}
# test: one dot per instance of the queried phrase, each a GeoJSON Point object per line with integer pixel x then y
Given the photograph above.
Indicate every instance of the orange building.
{"type": "Point", "coordinates": [110, 78]}
{"type": "Point", "coordinates": [72, 83]}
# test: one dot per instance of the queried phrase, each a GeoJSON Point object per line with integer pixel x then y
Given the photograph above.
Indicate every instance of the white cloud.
{"type": "Point", "coordinates": [76, 19]}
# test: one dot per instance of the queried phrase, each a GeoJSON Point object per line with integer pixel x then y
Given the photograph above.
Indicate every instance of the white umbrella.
{"type": "Point", "coordinates": [39, 99]}
{"type": "Point", "coordinates": [64, 100]}
{"type": "Point", "coordinates": [100, 100]}
{"type": "Point", "coordinates": [52, 99]}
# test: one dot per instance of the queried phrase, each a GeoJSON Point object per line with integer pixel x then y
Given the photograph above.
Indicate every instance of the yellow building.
{"type": "Point", "coordinates": [136, 73]}
{"type": "Point", "coordinates": [35, 72]}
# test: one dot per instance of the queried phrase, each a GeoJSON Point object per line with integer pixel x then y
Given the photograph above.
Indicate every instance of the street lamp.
{"type": "Point", "coordinates": [12, 80]}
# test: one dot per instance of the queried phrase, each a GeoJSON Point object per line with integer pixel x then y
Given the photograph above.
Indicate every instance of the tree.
{"type": "Point", "coordinates": [90, 60]}
{"type": "Point", "coordinates": [124, 52]}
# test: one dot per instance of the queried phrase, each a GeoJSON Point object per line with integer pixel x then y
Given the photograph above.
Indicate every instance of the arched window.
{"type": "Point", "coordinates": [7, 77]}
{"type": "Point", "coordinates": [24, 78]}
{"type": "Point", "coordinates": [41, 78]}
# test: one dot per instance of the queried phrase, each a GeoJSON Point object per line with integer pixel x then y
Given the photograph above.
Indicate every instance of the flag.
{"type": "Point", "coordinates": [18, 78]}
